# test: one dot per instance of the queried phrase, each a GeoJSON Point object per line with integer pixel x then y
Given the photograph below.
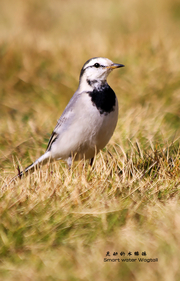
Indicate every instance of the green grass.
{"type": "Point", "coordinates": [58, 224]}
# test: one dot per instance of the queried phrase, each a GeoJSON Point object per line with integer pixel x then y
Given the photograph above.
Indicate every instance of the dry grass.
{"type": "Point", "coordinates": [58, 224]}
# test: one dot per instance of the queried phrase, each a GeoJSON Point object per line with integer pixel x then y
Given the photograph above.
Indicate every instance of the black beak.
{"type": "Point", "coordinates": [115, 65]}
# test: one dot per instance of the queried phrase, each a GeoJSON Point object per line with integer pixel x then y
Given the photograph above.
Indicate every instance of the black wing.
{"type": "Point", "coordinates": [53, 137]}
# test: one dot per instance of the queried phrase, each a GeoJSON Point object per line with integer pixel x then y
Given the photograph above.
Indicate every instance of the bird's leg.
{"type": "Point", "coordinates": [69, 162]}
{"type": "Point", "coordinates": [91, 161]}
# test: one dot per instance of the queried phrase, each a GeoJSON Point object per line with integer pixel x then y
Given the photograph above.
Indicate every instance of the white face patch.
{"type": "Point", "coordinates": [96, 69]}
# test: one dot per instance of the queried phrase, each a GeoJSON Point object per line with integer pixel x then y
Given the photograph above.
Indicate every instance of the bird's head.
{"type": "Point", "coordinates": [96, 70]}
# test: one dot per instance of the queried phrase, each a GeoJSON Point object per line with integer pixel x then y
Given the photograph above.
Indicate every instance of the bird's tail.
{"type": "Point", "coordinates": [41, 160]}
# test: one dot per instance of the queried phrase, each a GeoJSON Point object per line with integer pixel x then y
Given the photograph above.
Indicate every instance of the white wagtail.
{"type": "Point", "coordinates": [89, 119]}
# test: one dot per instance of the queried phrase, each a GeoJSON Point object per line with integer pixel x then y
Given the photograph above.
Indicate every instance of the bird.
{"type": "Point", "coordinates": [88, 121]}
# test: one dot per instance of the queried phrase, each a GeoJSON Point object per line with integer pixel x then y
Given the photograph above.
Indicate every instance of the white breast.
{"type": "Point", "coordinates": [89, 131]}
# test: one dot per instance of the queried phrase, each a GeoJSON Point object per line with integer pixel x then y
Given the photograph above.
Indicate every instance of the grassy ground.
{"type": "Point", "coordinates": [58, 224]}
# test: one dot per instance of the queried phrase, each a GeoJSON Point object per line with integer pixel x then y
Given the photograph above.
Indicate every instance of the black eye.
{"type": "Point", "coordinates": [96, 65]}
